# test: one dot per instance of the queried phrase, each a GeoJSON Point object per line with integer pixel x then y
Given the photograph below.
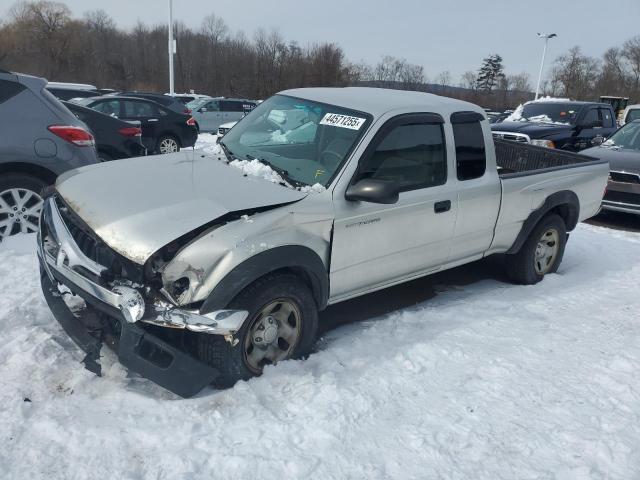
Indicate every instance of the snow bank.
{"type": "Point", "coordinates": [486, 380]}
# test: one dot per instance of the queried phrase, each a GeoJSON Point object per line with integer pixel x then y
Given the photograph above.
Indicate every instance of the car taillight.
{"type": "Point", "coordinates": [187, 111]}
{"type": "Point", "coordinates": [130, 132]}
{"type": "Point", "coordinates": [76, 135]}
{"type": "Point", "coordinates": [191, 122]}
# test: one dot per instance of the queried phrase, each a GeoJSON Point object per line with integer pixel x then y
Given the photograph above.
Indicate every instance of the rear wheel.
{"type": "Point", "coordinates": [20, 204]}
{"type": "Point", "coordinates": [168, 144]}
{"type": "Point", "coordinates": [282, 324]}
{"type": "Point", "coordinates": [541, 253]}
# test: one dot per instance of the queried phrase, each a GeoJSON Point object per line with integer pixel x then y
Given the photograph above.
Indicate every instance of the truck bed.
{"type": "Point", "coordinates": [517, 159]}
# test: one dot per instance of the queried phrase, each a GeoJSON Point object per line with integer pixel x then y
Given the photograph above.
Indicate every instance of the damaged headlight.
{"type": "Point", "coordinates": [179, 288]}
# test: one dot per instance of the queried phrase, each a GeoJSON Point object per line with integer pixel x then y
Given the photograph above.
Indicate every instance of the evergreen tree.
{"type": "Point", "coordinates": [490, 73]}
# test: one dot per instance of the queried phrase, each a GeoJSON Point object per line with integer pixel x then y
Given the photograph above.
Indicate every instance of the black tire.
{"type": "Point", "coordinates": [104, 157]}
{"type": "Point", "coordinates": [521, 267]}
{"type": "Point", "coordinates": [230, 360]}
{"type": "Point", "coordinates": [21, 181]}
{"type": "Point", "coordinates": [167, 138]}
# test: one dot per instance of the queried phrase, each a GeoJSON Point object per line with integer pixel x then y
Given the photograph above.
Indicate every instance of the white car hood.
{"type": "Point", "coordinates": [138, 205]}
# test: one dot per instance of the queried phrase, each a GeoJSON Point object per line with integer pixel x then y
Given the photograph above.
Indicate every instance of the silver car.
{"type": "Point", "coordinates": [209, 114]}
{"type": "Point", "coordinates": [217, 264]}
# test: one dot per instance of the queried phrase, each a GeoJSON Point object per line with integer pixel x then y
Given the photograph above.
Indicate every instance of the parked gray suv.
{"type": "Point", "coordinates": [39, 139]}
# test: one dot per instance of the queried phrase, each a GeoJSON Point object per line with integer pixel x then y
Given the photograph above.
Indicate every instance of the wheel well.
{"type": "Point", "coordinates": [299, 260]}
{"type": "Point", "coordinates": [568, 213]}
{"type": "Point", "coordinates": [37, 171]}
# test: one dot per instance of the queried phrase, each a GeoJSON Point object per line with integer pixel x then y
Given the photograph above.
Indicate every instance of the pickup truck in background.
{"type": "Point", "coordinates": [218, 264]}
{"type": "Point", "coordinates": [561, 124]}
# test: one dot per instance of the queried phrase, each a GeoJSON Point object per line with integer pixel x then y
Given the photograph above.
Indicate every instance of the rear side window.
{"type": "Point", "coordinates": [138, 109]}
{"type": "Point", "coordinates": [229, 106]}
{"type": "Point", "coordinates": [607, 118]}
{"type": "Point", "coordinates": [412, 156]}
{"type": "Point", "coordinates": [9, 90]}
{"type": "Point", "coordinates": [212, 106]}
{"type": "Point", "coordinates": [471, 157]}
{"type": "Point", "coordinates": [111, 108]}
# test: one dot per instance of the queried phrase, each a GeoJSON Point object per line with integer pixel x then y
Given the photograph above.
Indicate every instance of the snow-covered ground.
{"type": "Point", "coordinates": [483, 381]}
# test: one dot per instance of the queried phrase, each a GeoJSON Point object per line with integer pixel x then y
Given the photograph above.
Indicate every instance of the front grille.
{"type": "Point", "coordinates": [625, 177]}
{"type": "Point", "coordinates": [95, 249]}
{"type": "Point", "coordinates": [513, 137]}
{"type": "Point", "coordinates": [622, 197]}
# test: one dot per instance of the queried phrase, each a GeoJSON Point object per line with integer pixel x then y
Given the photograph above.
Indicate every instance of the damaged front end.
{"type": "Point", "coordinates": [123, 305]}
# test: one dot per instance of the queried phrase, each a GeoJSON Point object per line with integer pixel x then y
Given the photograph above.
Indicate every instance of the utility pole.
{"type": "Point", "coordinates": [544, 54]}
{"type": "Point", "coordinates": [171, 49]}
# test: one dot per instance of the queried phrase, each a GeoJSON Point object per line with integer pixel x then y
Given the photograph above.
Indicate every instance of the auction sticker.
{"type": "Point", "coordinates": [343, 121]}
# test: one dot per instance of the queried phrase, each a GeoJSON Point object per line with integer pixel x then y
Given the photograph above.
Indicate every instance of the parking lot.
{"type": "Point", "coordinates": [461, 372]}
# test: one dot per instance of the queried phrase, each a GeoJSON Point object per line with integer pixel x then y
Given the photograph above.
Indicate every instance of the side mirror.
{"type": "Point", "coordinates": [202, 110]}
{"type": "Point", "coordinates": [373, 191]}
{"type": "Point", "coordinates": [598, 140]}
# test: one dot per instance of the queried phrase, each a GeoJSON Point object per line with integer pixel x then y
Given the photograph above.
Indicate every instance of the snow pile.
{"type": "Point", "coordinates": [207, 142]}
{"type": "Point", "coordinates": [258, 169]}
{"type": "Point", "coordinates": [484, 380]}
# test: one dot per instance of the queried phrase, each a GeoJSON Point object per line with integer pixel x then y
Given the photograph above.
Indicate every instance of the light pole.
{"type": "Point", "coordinates": [171, 48]}
{"type": "Point", "coordinates": [544, 54]}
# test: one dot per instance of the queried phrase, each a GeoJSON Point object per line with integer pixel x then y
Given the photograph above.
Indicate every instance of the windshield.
{"type": "Point", "coordinates": [627, 137]}
{"type": "Point", "coordinates": [550, 112]}
{"type": "Point", "coordinates": [304, 140]}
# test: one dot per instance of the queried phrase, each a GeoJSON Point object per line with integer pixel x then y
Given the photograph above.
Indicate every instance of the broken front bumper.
{"type": "Point", "coordinates": [63, 262]}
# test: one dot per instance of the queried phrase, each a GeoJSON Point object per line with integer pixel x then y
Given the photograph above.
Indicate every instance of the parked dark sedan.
{"type": "Point", "coordinates": [114, 138]}
{"type": "Point", "coordinates": [163, 130]}
{"type": "Point", "coordinates": [167, 101]}
{"type": "Point", "coordinates": [622, 150]}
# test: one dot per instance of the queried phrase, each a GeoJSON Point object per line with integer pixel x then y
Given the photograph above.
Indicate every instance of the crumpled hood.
{"type": "Point", "coordinates": [139, 205]}
{"type": "Point", "coordinates": [533, 129]}
{"type": "Point", "coordinates": [620, 160]}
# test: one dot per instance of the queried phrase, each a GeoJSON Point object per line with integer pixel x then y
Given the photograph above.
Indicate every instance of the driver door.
{"type": "Point", "coordinates": [375, 245]}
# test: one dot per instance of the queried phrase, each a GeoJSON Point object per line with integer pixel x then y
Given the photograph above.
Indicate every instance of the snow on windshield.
{"type": "Point", "coordinates": [207, 142]}
{"type": "Point", "coordinates": [517, 116]}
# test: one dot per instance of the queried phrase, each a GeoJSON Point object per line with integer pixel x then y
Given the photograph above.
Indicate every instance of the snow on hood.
{"type": "Point", "coordinates": [139, 205]}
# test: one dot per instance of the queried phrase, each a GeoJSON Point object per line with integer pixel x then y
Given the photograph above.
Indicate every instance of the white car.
{"type": "Point", "coordinates": [631, 113]}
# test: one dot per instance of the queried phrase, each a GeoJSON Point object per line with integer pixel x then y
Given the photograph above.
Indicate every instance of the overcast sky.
{"type": "Point", "coordinates": [452, 35]}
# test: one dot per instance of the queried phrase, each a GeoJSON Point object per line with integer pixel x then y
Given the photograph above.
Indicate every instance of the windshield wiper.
{"type": "Point", "coordinates": [227, 153]}
{"type": "Point", "coordinates": [280, 171]}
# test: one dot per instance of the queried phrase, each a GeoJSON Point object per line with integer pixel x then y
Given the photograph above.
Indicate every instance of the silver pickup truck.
{"type": "Point", "coordinates": [201, 268]}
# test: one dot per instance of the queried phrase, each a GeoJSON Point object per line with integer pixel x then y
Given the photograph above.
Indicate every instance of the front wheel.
{"type": "Point", "coordinates": [282, 324]}
{"type": "Point", "coordinates": [541, 253]}
{"type": "Point", "coordinates": [168, 144]}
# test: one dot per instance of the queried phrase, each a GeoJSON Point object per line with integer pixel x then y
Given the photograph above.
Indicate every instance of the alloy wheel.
{"type": "Point", "coordinates": [168, 145]}
{"type": "Point", "coordinates": [20, 210]}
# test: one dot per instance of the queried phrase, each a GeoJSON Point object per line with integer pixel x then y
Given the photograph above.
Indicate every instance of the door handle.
{"type": "Point", "coordinates": [443, 206]}
{"type": "Point", "coordinates": [152, 120]}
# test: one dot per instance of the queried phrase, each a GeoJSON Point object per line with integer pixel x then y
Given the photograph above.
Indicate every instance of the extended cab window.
{"type": "Point", "coordinates": [592, 119]}
{"type": "Point", "coordinates": [412, 156]}
{"type": "Point", "coordinates": [471, 157]}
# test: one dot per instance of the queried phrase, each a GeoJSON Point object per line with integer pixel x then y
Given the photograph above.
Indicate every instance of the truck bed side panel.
{"type": "Point", "coordinates": [522, 194]}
